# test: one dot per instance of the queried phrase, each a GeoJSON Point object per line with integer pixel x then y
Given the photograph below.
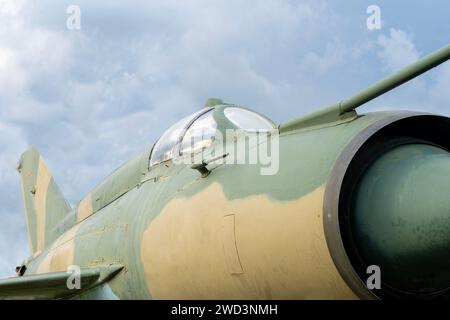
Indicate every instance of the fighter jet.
{"type": "Point", "coordinates": [340, 205]}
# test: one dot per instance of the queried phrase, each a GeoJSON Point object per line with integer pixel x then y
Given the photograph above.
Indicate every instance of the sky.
{"type": "Point", "coordinates": [90, 98]}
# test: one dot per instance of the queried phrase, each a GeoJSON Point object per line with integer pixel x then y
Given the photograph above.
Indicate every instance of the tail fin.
{"type": "Point", "coordinates": [44, 203]}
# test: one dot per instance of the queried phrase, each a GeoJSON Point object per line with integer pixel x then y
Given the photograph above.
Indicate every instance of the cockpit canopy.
{"type": "Point", "coordinates": [197, 132]}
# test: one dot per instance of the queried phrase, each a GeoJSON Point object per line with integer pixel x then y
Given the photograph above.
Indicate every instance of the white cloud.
{"type": "Point", "coordinates": [13, 242]}
{"type": "Point", "coordinates": [332, 56]}
{"type": "Point", "coordinates": [10, 7]}
{"type": "Point", "coordinates": [439, 91]}
{"type": "Point", "coordinates": [427, 92]}
{"type": "Point", "coordinates": [91, 99]}
{"type": "Point", "coordinates": [397, 50]}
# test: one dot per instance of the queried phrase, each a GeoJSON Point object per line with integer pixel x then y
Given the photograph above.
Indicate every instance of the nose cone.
{"type": "Point", "coordinates": [401, 217]}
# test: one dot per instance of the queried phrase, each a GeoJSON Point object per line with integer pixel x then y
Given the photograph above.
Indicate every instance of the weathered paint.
{"type": "Point", "coordinates": [27, 218]}
{"type": "Point", "coordinates": [390, 203]}
{"type": "Point", "coordinates": [175, 218]}
{"type": "Point", "coordinates": [28, 169]}
{"type": "Point", "coordinates": [42, 183]}
{"type": "Point", "coordinates": [233, 235]}
{"type": "Point", "coordinates": [44, 204]}
{"type": "Point", "coordinates": [85, 208]}
{"type": "Point", "coordinates": [184, 258]}
{"type": "Point", "coordinates": [229, 245]}
{"type": "Point", "coordinates": [61, 254]}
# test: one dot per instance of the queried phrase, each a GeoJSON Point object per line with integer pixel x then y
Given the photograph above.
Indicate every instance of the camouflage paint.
{"type": "Point", "coordinates": [44, 203]}
{"type": "Point", "coordinates": [167, 226]}
{"type": "Point", "coordinates": [233, 234]}
{"type": "Point", "coordinates": [185, 256]}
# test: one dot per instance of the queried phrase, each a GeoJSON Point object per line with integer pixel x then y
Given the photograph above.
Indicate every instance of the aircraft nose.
{"type": "Point", "coordinates": [400, 217]}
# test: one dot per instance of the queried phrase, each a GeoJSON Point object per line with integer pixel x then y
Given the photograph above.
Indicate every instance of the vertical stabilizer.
{"type": "Point", "coordinates": [44, 203]}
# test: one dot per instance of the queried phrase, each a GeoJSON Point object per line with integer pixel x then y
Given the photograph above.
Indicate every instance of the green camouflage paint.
{"type": "Point", "coordinates": [131, 218]}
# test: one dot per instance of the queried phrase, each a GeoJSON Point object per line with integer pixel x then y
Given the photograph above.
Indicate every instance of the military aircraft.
{"type": "Point", "coordinates": [353, 195]}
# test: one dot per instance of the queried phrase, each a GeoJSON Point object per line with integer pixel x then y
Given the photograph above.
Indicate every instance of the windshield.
{"type": "Point", "coordinates": [164, 148]}
{"type": "Point", "coordinates": [200, 135]}
{"type": "Point", "coordinates": [247, 120]}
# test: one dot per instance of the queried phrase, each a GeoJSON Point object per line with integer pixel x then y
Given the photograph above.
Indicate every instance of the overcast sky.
{"type": "Point", "coordinates": [90, 99]}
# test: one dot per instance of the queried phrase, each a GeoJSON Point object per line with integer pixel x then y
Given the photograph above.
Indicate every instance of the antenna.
{"type": "Point", "coordinates": [345, 109]}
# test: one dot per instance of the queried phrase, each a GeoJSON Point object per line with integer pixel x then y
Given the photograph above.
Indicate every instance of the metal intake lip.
{"type": "Point", "coordinates": [386, 204]}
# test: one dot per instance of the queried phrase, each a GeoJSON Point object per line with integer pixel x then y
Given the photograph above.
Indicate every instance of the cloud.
{"type": "Point", "coordinates": [333, 55]}
{"type": "Point", "coordinates": [90, 99]}
{"type": "Point", "coordinates": [439, 92]}
{"type": "Point", "coordinates": [13, 240]}
{"type": "Point", "coordinates": [427, 92]}
{"type": "Point", "coordinates": [10, 7]}
{"type": "Point", "coordinates": [397, 50]}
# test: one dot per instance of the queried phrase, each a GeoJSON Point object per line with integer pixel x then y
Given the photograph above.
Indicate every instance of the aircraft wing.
{"type": "Point", "coordinates": [54, 285]}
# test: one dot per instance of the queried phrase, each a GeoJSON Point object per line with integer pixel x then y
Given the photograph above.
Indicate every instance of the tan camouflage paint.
{"type": "Point", "coordinates": [188, 250]}
{"type": "Point", "coordinates": [219, 266]}
{"type": "Point", "coordinates": [44, 203]}
{"type": "Point", "coordinates": [60, 254]}
{"type": "Point", "coordinates": [281, 246]}
{"type": "Point", "coordinates": [85, 208]}
{"type": "Point", "coordinates": [43, 180]}
{"type": "Point", "coordinates": [30, 242]}
{"type": "Point", "coordinates": [230, 248]}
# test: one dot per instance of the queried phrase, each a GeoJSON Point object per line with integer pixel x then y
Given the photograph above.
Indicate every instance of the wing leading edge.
{"type": "Point", "coordinates": [55, 285]}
